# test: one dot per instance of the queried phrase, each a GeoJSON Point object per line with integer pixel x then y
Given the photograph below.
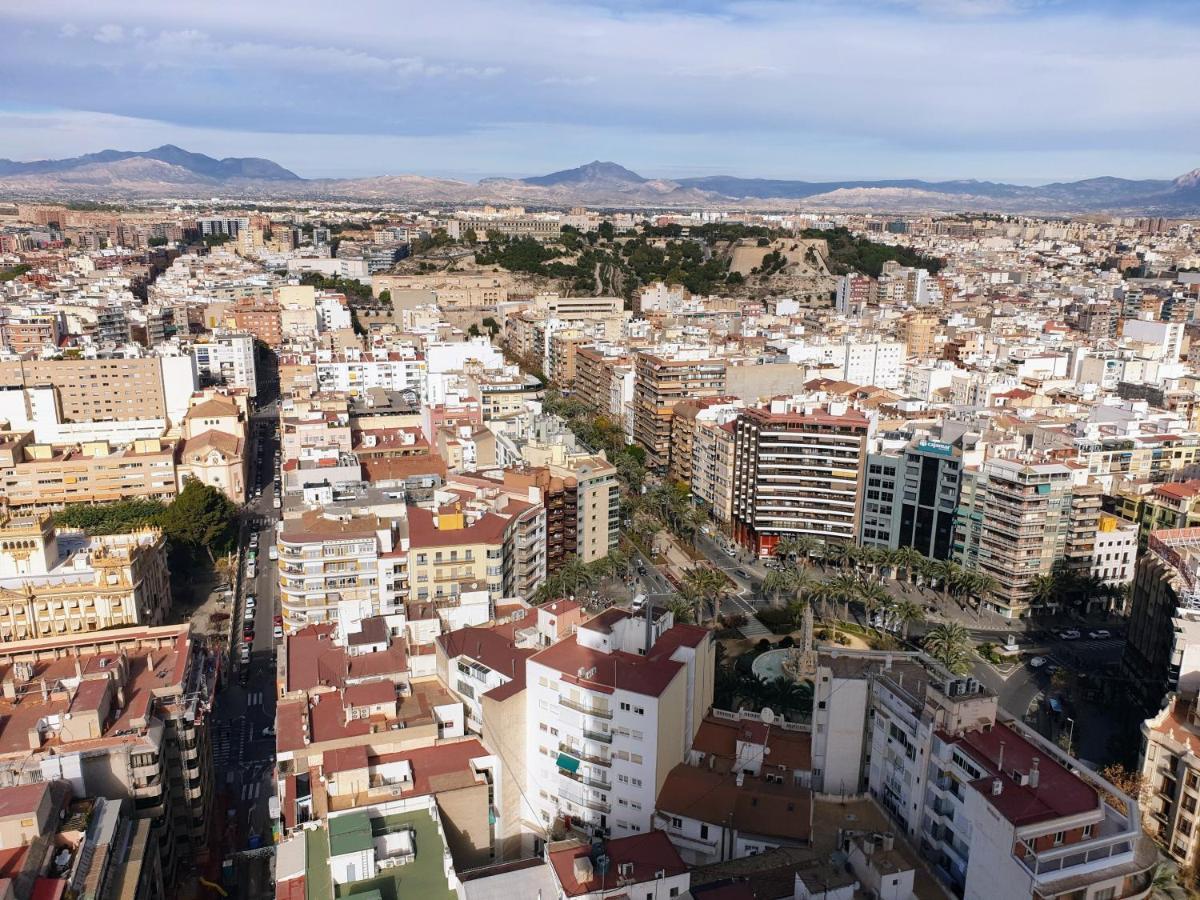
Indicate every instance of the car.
{"type": "Point", "coordinates": [277, 620]}
{"type": "Point", "coordinates": [1069, 635]}
{"type": "Point", "coordinates": [1037, 662]}
{"type": "Point", "coordinates": [251, 571]}
{"type": "Point", "coordinates": [1100, 634]}
{"type": "Point", "coordinates": [258, 492]}
{"type": "Point", "coordinates": [742, 573]}
{"type": "Point", "coordinates": [254, 539]}
{"type": "Point", "coordinates": [244, 656]}
{"type": "Point", "coordinates": [247, 638]}
{"type": "Point", "coordinates": [272, 553]}
{"type": "Point", "coordinates": [248, 615]}
{"type": "Point", "coordinates": [278, 632]}
{"type": "Point", "coordinates": [269, 731]}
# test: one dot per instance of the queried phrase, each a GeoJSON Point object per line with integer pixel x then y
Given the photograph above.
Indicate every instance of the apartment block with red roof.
{"type": "Point", "coordinates": [640, 865]}
{"type": "Point", "coordinates": [997, 810]}
{"type": "Point", "coordinates": [610, 711]}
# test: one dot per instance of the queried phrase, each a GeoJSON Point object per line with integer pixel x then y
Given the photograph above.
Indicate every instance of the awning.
{"type": "Point", "coordinates": [570, 763]}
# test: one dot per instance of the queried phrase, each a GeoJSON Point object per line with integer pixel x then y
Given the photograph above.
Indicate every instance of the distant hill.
{"type": "Point", "coordinates": [195, 163]}
{"type": "Point", "coordinates": [170, 171]}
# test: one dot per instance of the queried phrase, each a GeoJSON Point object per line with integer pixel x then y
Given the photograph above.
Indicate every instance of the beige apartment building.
{"type": "Point", "coordinates": [593, 376]}
{"type": "Point", "coordinates": [91, 389]}
{"type": "Point", "coordinates": [63, 582]}
{"type": "Point", "coordinates": [660, 384]}
{"type": "Point", "coordinates": [712, 469]}
{"type": "Point", "coordinates": [450, 555]}
{"type": "Point", "coordinates": [41, 476]}
{"type": "Point", "coordinates": [121, 715]}
{"type": "Point", "coordinates": [1171, 778]}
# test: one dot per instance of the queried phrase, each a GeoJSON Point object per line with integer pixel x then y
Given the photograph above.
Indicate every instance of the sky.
{"type": "Point", "coordinates": [1006, 90]}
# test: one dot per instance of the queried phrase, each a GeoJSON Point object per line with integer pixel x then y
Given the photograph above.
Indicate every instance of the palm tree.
{"type": "Point", "coordinates": [576, 577]}
{"type": "Point", "coordinates": [679, 606]}
{"type": "Point", "coordinates": [796, 610]}
{"type": "Point", "coordinates": [980, 586]}
{"type": "Point", "coordinates": [707, 584]}
{"type": "Point", "coordinates": [787, 548]}
{"type": "Point", "coordinates": [950, 645]}
{"type": "Point", "coordinates": [1164, 883]}
{"type": "Point", "coordinates": [908, 560]}
{"type": "Point", "coordinates": [807, 547]}
{"type": "Point", "coordinates": [840, 554]}
{"type": "Point", "coordinates": [786, 695]}
{"type": "Point", "coordinates": [872, 595]}
{"type": "Point", "coordinates": [1045, 589]}
{"type": "Point", "coordinates": [945, 572]}
{"type": "Point", "coordinates": [905, 613]}
{"type": "Point", "coordinates": [778, 582]}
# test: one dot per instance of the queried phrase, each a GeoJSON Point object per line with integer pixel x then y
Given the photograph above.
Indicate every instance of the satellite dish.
{"type": "Point", "coordinates": [768, 715]}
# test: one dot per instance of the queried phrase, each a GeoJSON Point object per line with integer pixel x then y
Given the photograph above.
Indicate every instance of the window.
{"type": "Point", "coordinates": [703, 833]}
{"type": "Point", "coordinates": [1059, 837]}
{"type": "Point", "coordinates": [676, 822]}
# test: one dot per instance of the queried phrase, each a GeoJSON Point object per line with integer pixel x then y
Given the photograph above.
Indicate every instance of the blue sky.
{"type": "Point", "coordinates": [1014, 90]}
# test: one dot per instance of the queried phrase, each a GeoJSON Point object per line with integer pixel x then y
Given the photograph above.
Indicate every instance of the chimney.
{"type": "Point", "coordinates": [997, 787]}
{"type": "Point", "coordinates": [1033, 774]}
{"type": "Point", "coordinates": [1000, 761]}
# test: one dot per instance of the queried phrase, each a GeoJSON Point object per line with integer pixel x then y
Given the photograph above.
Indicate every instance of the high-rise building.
{"type": "Point", "coordinates": [1170, 769]}
{"type": "Point", "coordinates": [1162, 653]}
{"type": "Point", "coordinates": [227, 359]}
{"type": "Point", "coordinates": [1018, 520]}
{"type": "Point", "coordinates": [798, 470]}
{"type": "Point", "coordinates": [610, 711]}
{"type": "Point", "coordinates": [660, 383]}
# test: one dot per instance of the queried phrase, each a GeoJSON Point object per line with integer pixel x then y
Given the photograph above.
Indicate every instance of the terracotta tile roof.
{"type": "Point", "coordinates": [782, 811]}
{"type": "Point", "coordinates": [489, 647]}
{"type": "Point", "coordinates": [649, 676]}
{"type": "Point", "coordinates": [1059, 792]}
{"type": "Point", "coordinates": [399, 467]}
{"type": "Point", "coordinates": [488, 529]}
{"type": "Point", "coordinates": [648, 853]}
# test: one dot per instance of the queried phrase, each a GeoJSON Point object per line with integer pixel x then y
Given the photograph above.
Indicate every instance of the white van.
{"type": "Point", "coordinates": [272, 553]}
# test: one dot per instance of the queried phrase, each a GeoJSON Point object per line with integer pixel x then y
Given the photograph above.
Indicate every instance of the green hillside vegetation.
{"type": "Point", "coordinates": [13, 272]}
{"type": "Point", "coordinates": [848, 253]}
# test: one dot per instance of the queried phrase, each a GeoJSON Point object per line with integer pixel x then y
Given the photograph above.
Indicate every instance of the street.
{"type": "Point", "coordinates": [244, 722]}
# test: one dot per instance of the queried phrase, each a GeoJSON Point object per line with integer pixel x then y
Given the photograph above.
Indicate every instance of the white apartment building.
{"type": "Point", "coordinates": [1000, 812]}
{"type": "Point", "coordinates": [607, 720]}
{"type": "Point", "coordinates": [333, 314]}
{"type": "Point", "coordinates": [354, 372]}
{"type": "Point", "coordinates": [1166, 338]}
{"type": "Point", "coordinates": [227, 359]}
{"type": "Point", "coordinates": [878, 363]}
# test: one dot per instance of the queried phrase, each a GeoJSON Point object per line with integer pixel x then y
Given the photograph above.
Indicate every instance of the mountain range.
{"type": "Point", "coordinates": [171, 172]}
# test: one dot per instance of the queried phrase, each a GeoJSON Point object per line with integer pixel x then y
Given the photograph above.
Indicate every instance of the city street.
{"type": "Point", "coordinates": [244, 723]}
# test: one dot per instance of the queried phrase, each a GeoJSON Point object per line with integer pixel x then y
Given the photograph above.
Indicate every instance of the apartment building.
{"type": "Point", "coordinates": [911, 497]}
{"type": "Point", "coordinates": [712, 469]}
{"type": "Point", "coordinates": [57, 582]}
{"type": "Point", "coordinates": [1170, 770]}
{"type": "Point", "coordinates": [1162, 653]}
{"type": "Point", "coordinates": [594, 365]}
{"type": "Point", "coordinates": [1020, 519]}
{"type": "Point", "coordinates": [456, 561]}
{"type": "Point", "coordinates": [661, 383]}
{"type": "Point", "coordinates": [919, 333]}
{"type": "Point", "coordinates": [689, 415]}
{"type": "Point", "coordinates": [353, 372]}
{"type": "Point", "coordinates": [21, 333]}
{"type": "Point", "coordinates": [227, 359]}
{"type": "Point", "coordinates": [504, 394]}
{"type": "Point", "coordinates": [597, 507]}
{"type": "Point", "coordinates": [999, 811]}
{"type": "Point", "coordinates": [149, 387]}
{"type": "Point", "coordinates": [121, 715]}
{"type": "Point", "coordinates": [1164, 506]}
{"type": "Point", "coordinates": [43, 476]}
{"type": "Point", "coordinates": [610, 711]}
{"type": "Point", "coordinates": [331, 567]}
{"type": "Point", "coordinates": [798, 470]}
{"type": "Point", "coordinates": [638, 865]}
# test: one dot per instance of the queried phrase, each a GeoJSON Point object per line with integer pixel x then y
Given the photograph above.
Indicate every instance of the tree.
{"type": "Point", "coordinates": [706, 585]}
{"type": "Point", "coordinates": [908, 561]}
{"type": "Point", "coordinates": [606, 230]}
{"type": "Point", "coordinates": [905, 613]}
{"type": "Point", "coordinates": [950, 645]}
{"type": "Point", "coordinates": [470, 238]}
{"type": "Point", "coordinates": [1127, 782]}
{"type": "Point", "coordinates": [872, 595]}
{"type": "Point", "coordinates": [840, 554]}
{"type": "Point", "coordinates": [385, 297]}
{"type": "Point", "coordinates": [474, 331]}
{"type": "Point", "coordinates": [1164, 883]}
{"type": "Point", "coordinates": [201, 518]}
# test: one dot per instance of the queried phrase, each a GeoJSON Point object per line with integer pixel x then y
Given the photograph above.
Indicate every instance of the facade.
{"type": "Point", "coordinates": [149, 387]}
{"type": "Point", "coordinates": [712, 469]}
{"type": "Point", "coordinates": [1018, 520]}
{"type": "Point", "coordinates": [228, 360]}
{"type": "Point", "coordinates": [56, 582]}
{"type": "Point", "coordinates": [1162, 653]}
{"type": "Point", "coordinates": [1170, 770]}
{"type": "Point", "coordinates": [454, 556]}
{"type": "Point", "coordinates": [911, 497]}
{"type": "Point", "coordinates": [659, 384]}
{"type": "Point", "coordinates": [607, 719]}
{"type": "Point", "coordinates": [138, 701]}
{"type": "Point", "coordinates": [798, 470]}
{"type": "Point", "coordinates": [42, 476]}
{"type": "Point", "coordinates": [1000, 812]}
{"type": "Point", "coordinates": [213, 449]}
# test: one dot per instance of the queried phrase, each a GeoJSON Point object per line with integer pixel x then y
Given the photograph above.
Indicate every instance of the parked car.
{"type": "Point", "coordinates": [1070, 634]}
{"type": "Point", "coordinates": [278, 632]}
{"type": "Point", "coordinates": [272, 553]}
{"type": "Point", "coordinates": [251, 601]}
{"type": "Point", "coordinates": [742, 573]}
{"type": "Point", "coordinates": [1100, 634]}
{"type": "Point", "coordinates": [1037, 662]}
{"type": "Point", "coordinates": [277, 620]}
{"type": "Point", "coordinates": [244, 656]}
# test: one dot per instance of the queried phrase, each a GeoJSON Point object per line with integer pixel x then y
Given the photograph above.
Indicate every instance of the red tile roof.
{"type": "Point", "coordinates": [641, 675]}
{"type": "Point", "coordinates": [649, 854]}
{"type": "Point", "coordinates": [488, 529]}
{"type": "Point", "coordinates": [1059, 792]}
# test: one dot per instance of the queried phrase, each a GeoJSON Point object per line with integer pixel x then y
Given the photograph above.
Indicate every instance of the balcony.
{"type": "Point", "coordinates": [1063, 859]}
{"type": "Point", "coordinates": [595, 711]}
{"type": "Point", "coordinates": [590, 781]}
{"type": "Point", "coordinates": [604, 737]}
{"type": "Point", "coordinates": [588, 803]}
{"type": "Point", "coordinates": [586, 757]}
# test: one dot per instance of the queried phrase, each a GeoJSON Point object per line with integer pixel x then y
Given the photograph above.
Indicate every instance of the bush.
{"type": "Point", "coordinates": [778, 620]}
{"type": "Point", "coordinates": [787, 643]}
{"type": "Point", "coordinates": [763, 645]}
{"type": "Point", "coordinates": [736, 620]}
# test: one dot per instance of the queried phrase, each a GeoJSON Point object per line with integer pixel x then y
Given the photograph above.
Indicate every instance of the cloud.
{"type": "Point", "coordinates": [109, 34]}
{"type": "Point", "coordinates": [68, 30]}
{"type": "Point", "coordinates": [878, 85]}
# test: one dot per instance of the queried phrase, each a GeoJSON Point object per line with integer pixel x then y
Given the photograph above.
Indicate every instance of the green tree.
{"type": "Point", "coordinates": [385, 296]}
{"type": "Point", "coordinates": [950, 644]}
{"type": "Point", "coordinates": [605, 230]}
{"type": "Point", "coordinates": [470, 238]}
{"type": "Point", "coordinates": [200, 519]}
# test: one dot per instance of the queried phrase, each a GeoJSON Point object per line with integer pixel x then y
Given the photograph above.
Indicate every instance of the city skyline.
{"type": "Point", "coordinates": [992, 90]}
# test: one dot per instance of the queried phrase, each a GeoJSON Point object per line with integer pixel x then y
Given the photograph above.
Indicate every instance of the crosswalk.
{"type": "Point", "coordinates": [754, 629]}
{"type": "Point", "coordinates": [255, 698]}
{"type": "Point", "coordinates": [251, 791]}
